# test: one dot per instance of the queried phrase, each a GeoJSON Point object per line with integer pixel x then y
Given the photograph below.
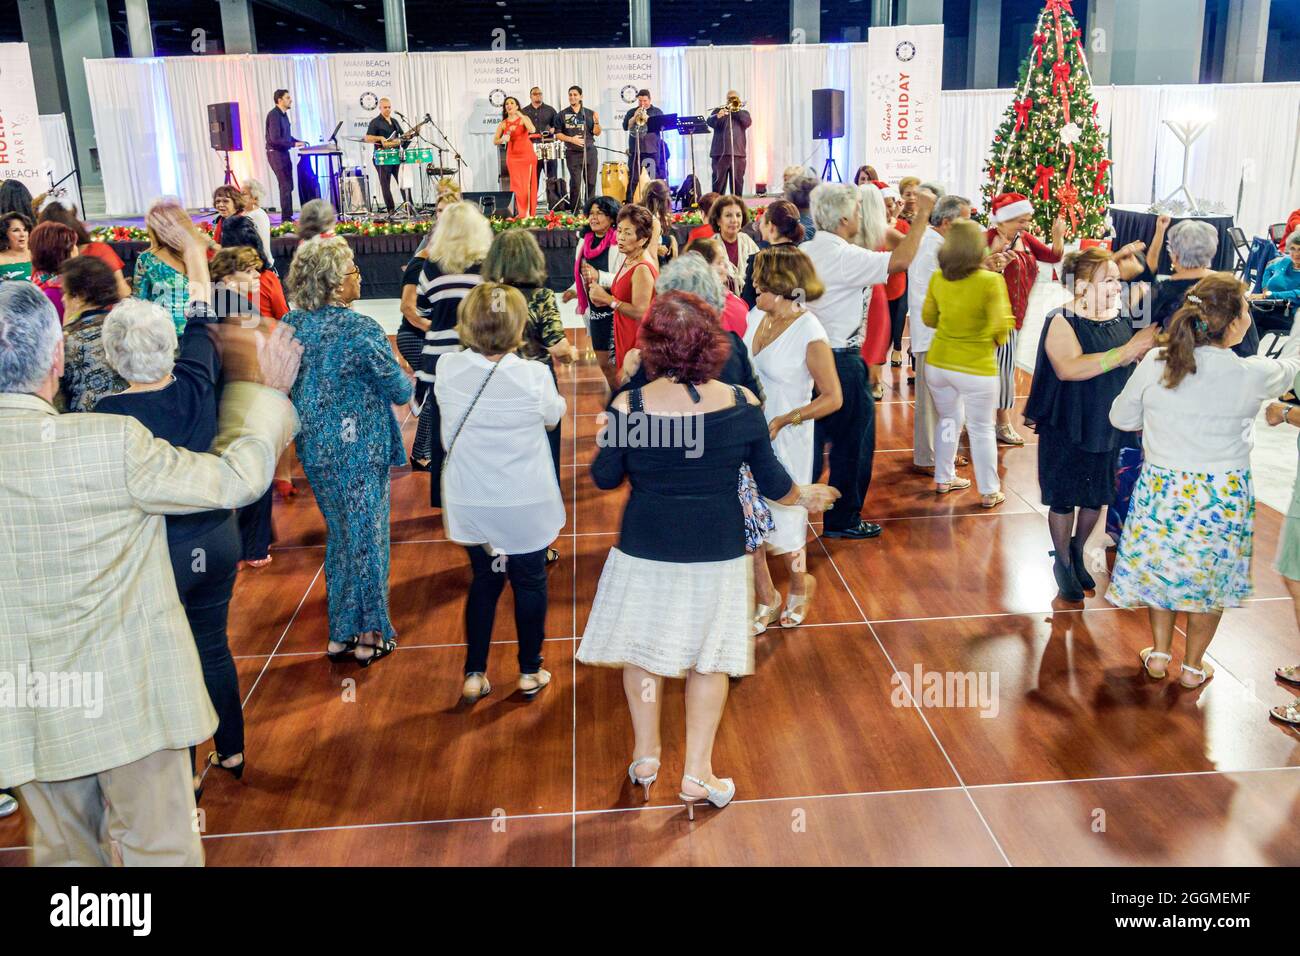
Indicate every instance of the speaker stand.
{"type": "Point", "coordinates": [230, 174]}
{"type": "Point", "coordinates": [831, 166]}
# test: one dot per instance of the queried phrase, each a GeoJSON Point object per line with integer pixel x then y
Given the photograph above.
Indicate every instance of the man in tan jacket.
{"type": "Point", "coordinates": [104, 690]}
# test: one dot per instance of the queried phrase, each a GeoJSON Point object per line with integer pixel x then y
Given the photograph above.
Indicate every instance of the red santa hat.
{"type": "Point", "coordinates": [889, 192]}
{"type": "Point", "coordinates": [1010, 206]}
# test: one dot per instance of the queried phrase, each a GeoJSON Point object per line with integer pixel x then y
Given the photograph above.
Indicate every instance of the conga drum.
{"type": "Point", "coordinates": [613, 180]}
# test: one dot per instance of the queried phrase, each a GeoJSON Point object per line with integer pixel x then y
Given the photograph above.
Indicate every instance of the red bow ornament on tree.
{"type": "Point", "coordinates": [1068, 195]}
{"type": "Point", "coordinates": [1099, 184]}
{"type": "Point", "coordinates": [1062, 83]}
{"type": "Point", "coordinates": [1039, 40]}
{"type": "Point", "coordinates": [1043, 187]}
{"type": "Point", "coordinates": [1022, 112]}
{"type": "Point", "coordinates": [1060, 6]}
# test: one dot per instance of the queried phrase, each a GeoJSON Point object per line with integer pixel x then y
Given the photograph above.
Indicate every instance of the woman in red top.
{"type": "Point", "coordinates": [242, 231]}
{"type": "Point", "coordinates": [521, 161]}
{"type": "Point", "coordinates": [56, 212]}
{"type": "Point", "coordinates": [1016, 254]}
{"type": "Point", "coordinates": [633, 287]}
{"type": "Point", "coordinates": [875, 233]}
{"type": "Point", "coordinates": [896, 287]}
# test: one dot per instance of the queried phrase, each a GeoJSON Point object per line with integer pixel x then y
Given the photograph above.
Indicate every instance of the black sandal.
{"type": "Point", "coordinates": [381, 651]}
{"type": "Point", "coordinates": [338, 657]}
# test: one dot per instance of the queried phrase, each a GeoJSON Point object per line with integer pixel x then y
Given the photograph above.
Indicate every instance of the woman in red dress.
{"type": "Point", "coordinates": [633, 288]}
{"type": "Point", "coordinates": [875, 233]}
{"type": "Point", "coordinates": [514, 130]}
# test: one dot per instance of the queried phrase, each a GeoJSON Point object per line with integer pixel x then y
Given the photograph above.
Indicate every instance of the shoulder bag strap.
{"type": "Point", "coordinates": [452, 444]}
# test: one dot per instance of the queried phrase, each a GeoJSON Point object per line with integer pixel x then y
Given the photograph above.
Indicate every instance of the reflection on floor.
{"type": "Point", "coordinates": [1038, 741]}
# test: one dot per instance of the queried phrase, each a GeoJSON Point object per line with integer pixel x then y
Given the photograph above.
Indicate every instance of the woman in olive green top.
{"type": "Point", "coordinates": [1288, 559]}
{"type": "Point", "coordinates": [516, 259]}
{"type": "Point", "coordinates": [970, 311]}
{"type": "Point", "coordinates": [15, 257]}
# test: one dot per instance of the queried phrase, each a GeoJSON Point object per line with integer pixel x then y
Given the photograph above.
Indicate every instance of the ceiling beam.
{"type": "Point", "coordinates": [331, 18]}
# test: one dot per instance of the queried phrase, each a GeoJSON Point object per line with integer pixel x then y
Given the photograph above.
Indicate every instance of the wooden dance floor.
{"type": "Point", "coordinates": [1075, 759]}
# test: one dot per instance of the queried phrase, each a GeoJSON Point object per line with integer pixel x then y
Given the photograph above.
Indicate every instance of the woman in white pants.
{"type": "Point", "coordinates": [970, 311]}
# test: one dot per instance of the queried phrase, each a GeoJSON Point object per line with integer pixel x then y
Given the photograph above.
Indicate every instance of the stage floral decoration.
{"type": "Point", "coordinates": [1050, 146]}
{"type": "Point", "coordinates": [351, 227]}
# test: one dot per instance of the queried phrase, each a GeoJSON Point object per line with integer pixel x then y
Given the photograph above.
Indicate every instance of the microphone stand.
{"type": "Point", "coordinates": [460, 160]}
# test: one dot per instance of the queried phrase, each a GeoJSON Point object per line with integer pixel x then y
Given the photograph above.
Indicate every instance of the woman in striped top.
{"type": "Point", "coordinates": [1018, 254]}
{"type": "Point", "coordinates": [450, 271]}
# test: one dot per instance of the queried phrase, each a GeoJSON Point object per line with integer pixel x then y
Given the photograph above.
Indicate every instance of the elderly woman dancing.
{"type": "Point", "coordinates": [349, 382]}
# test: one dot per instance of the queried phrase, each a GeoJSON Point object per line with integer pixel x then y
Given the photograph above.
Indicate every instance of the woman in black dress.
{"type": "Point", "coordinates": [676, 595]}
{"type": "Point", "coordinates": [1084, 359]}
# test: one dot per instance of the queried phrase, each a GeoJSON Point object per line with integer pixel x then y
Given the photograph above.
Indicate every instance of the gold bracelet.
{"type": "Point", "coordinates": [798, 418]}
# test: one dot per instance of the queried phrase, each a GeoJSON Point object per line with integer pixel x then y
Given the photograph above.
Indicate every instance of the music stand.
{"type": "Point", "coordinates": [658, 125]}
{"type": "Point", "coordinates": [690, 127]}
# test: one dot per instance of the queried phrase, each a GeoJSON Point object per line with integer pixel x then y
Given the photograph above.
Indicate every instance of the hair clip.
{"type": "Point", "coordinates": [1202, 325]}
{"type": "Point", "coordinates": [1194, 299]}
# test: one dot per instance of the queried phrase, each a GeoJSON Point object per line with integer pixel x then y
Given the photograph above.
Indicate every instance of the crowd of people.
{"type": "Point", "coordinates": [743, 361]}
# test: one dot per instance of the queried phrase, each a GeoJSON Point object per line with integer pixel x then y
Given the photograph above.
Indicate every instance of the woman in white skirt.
{"type": "Point", "coordinates": [1189, 538]}
{"type": "Point", "coordinates": [500, 496]}
{"type": "Point", "coordinates": [675, 597]}
{"type": "Point", "coordinates": [791, 353]}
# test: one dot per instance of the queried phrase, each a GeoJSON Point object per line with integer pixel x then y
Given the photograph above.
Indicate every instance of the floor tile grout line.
{"type": "Point", "coordinates": [907, 791]}
{"type": "Point", "coordinates": [573, 655]}
{"type": "Point", "coordinates": [920, 712]}
{"type": "Point", "coordinates": [283, 634]}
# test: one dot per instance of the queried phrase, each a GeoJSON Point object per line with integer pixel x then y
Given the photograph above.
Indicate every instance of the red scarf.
{"type": "Point", "coordinates": [588, 250]}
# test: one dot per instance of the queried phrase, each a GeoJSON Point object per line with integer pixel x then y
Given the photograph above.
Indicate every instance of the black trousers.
{"type": "Point", "coordinates": [851, 433]}
{"type": "Point", "coordinates": [527, 574]}
{"type": "Point", "coordinates": [648, 164]}
{"type": "Point", "coordinates": [580, 194]}
{"type": "Point", "coordinates": [255, 528]}
{"type": "Point", "coordinates": [897, 319]}
{"type": "Point", "coordinates": [282, 166]}
{"type": "Point", "coordinates": [722, 174]}
{"type": "Point", "coordinates": [204, 567]}
{"type": "Point", "coordinates": [386, 176]}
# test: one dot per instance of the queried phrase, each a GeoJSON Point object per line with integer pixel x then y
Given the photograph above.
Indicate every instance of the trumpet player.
{"type": "Point", "coordinates": [645, 149]}
{"type": "Point", "coordinates": [729, 124]}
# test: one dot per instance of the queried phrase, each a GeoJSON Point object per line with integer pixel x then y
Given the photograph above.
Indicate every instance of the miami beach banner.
{"type": "Point", "coordinates": [905, 78]}
{"type": "Point", "coordinates": [22, 148]}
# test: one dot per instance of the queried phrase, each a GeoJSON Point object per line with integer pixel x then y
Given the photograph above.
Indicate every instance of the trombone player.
{"type": "Point", "coordinates": [645, 149]}
{"type": "Point", "coordinates": [729, 123]}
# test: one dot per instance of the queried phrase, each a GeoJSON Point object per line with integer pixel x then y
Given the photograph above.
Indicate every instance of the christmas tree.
{"type": "Point", "coordinates": [1050, 146]}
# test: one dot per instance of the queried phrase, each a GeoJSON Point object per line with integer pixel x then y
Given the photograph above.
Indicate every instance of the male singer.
{"type": "Point", "coordinates": [644, 148]}
{"type": "Point", "coordinates": [543, 117]}
{"type": "Point", "coordinates": [728, 150]}
{"type": "Point", "coordinates": [279, 140]}
{"type": "Point", "coordinates": [386, 133]}
{"type": "Point", "coordinates": [578, 127]}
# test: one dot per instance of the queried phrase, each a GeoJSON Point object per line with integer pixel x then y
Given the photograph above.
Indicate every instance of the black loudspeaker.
{"type": "Point", "coordinates": [494, 204]}
{"type": "Point", "coordinates": [223, 127]}
{"type": "Point", "coordinates": [828, 114]}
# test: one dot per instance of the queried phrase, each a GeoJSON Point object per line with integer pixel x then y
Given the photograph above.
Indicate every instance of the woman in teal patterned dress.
{"type": "Point", "coordinates": [160, 274]}
{"type": "Point", "coordinates": [1288, 558]}
{"type": "Point", "coordinates": [349, 382]}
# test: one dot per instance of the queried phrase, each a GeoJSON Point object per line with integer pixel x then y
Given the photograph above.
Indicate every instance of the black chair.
{"type": "Point", "coordinates": [1277, 232]}
{"type": "Point", "coordinates": [1241, 246]}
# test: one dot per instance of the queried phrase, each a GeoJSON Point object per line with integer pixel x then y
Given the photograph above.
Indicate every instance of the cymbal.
{"type": "Point", "coordinates": [355, 139]}
{"type": "Point", "coordinates": [440, 170]}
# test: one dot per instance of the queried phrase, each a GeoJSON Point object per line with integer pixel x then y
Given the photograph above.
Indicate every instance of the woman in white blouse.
{"type": "Point", "coordinates": [1188, 540]}
{"type": "Point", "coordinates": [500, 496]}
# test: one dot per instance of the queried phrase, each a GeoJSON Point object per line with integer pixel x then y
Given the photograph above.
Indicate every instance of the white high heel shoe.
{"type": "Point", "coordinates": [765, 617]}
{"type": "Point", "coordinates": [719, 798]}
{"type": "Point", "coordinates": [644, 782]}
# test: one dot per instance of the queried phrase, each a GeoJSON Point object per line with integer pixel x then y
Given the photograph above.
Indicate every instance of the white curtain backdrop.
{"type": "Point", "coordinates": [151, 121]}
{"type": "Point", "coordinates": [59, 158]}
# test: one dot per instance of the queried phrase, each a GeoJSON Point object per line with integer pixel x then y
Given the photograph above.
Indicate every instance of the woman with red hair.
{"type": "Point", "coordinates": [676, 597]}
{"type": "Point", "coordinates": [52, 244]}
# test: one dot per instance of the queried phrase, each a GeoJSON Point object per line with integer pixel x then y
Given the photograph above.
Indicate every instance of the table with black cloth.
{"type": "Point", "coordinates": [1134, 223]}
{"type": "Point", "coordinates": [381, 259]}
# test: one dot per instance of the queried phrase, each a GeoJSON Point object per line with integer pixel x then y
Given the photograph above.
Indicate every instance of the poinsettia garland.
{"type": "Point", "coordinates": [1050, 146]}
{"type": "Point", "coordinates": [349, 227]}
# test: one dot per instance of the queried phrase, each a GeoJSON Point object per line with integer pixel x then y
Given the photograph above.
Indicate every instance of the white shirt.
{"type": "Point", "coordinates": [263, 223]}
{"type": "Point", "coordinates": [1207, 423]}
{"type": "Point", "coordinates": [499, 485]}
{"type": "Point", "coordinates": [846, 271]}
{"type": "Point", "coordinates": [924, 265]}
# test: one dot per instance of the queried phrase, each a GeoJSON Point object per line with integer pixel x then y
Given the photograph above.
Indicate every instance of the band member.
{"type": "Point", "coordinates": [543, 118]}
{"type": "Point", "coordinates": [386, 133]}
{"type": "Point", "coordinates": [521, 161]}
{"type": "Point", "coordinates": [578, 127]}
{"type": "Point", "coordinates": [729, 125]}
{"type": "Point", "coordinates": [279, 140]}
{"type": "Point", "coordinates": [644, 148]}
